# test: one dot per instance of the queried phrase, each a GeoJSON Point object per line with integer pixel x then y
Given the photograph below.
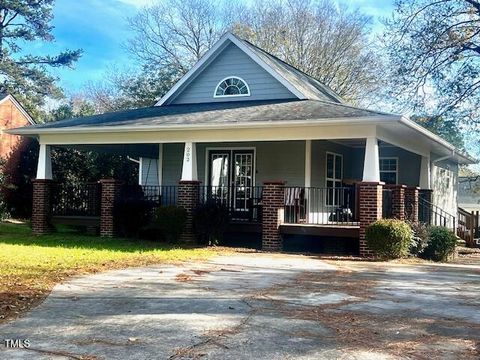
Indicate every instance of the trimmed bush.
{"type": "Point", "coordinates": [210, 221]}
{"type": "Point", "coordinates": [389, 238]}
{"type": "Point", "coordinates": [441, 245]}
{"type": "Point", "coordinates": [171, 221]}
{"type": "Point", "coordinates": [420, 237]}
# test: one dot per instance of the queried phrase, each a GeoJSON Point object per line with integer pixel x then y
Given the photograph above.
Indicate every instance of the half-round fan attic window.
{"type": "Point", "coordinates": [232, 86]}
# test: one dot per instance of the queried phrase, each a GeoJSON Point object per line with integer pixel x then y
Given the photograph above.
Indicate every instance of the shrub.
{"type": "Point", "coordinates": [210, 221]}
{"type": "Point", "coordinates": [171, 221]}
{"type": "Point", "coordinates": [132, 210]}
{"type": "Point", "coordinates": [441, 245]}
{"type": "Point", "coordinates": [389, 238]}
{"type": "Point", "coordinates": [420, 237]}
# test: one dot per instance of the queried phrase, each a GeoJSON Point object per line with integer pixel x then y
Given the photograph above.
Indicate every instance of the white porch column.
{"type": "Point", "coordinates": [425, 173]}
{"type": "Point", "coordinates": [371, 165]}
{"type": "Point", "coordinates": [44, 168]}
{"type": "Point", "coordinates": [189, 169]}
{"type": "Point", "coordinates": [160, 164]}
{"type": "Point", "coordinates": [308, 163]}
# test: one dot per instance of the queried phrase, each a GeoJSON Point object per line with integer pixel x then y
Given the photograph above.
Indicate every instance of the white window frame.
{"type": "Point", "coordinates": [333, 180]}
{"type": "Point", "coordinates": [388, 171]}
{"type": "Point", "coordinates": [326, 168]}
{"type": "Point", "coordinates": [234, 95]}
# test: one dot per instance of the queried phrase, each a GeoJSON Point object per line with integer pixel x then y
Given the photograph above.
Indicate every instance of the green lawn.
{"type": "Point", "coordinates": [31, 265]}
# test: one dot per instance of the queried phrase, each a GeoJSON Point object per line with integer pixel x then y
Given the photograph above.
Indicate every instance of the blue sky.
{"type": "Point", "coordinates": [99, 28]}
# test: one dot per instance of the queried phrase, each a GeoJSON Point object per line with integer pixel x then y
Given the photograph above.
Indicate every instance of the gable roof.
{"type": "Point", "coordinates": [298, 83]}
{"type": "Point", "coordinates": [6, 96]}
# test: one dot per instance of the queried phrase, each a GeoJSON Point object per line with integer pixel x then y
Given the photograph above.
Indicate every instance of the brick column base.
{"type": "Point", "coordinates": [273, 198]}
{"type": "Point", "coordinates": [110, 190]}
{"type": "Point", "coordinates": [42, 208]}
{"type": "Point", "coordinates": [188, 197]}
{"type": "Point", "coordinates": [411, 203]}
{"type": "Point", "coordinates": [398, 200]}
{"type": "Point", "coordinates": [370, 208]}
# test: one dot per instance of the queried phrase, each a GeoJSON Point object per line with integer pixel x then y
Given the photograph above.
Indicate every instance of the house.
{"type": "Point", "coordinates": [469, 193]}
{"type": "Point", "coordinates": [280, 148]}
{"type": "Point", "coordinates": [12, 115]}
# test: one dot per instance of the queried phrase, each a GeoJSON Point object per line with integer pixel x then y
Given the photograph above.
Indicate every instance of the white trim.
{"type": "Point", "coordinates": [233, 95]}
{"type": "Point", "coordinates": [334, 179]}
{"type": "Point", "coordinates": [388, 171]}
{"type": "Point", "coordinates": [326, 167]}
{"type": "Point", "coordinates": [219, 45]}
{"type": "Point", "coordinates": [308, 163]}
{"type": "Point", "coordinates": [230, 148]}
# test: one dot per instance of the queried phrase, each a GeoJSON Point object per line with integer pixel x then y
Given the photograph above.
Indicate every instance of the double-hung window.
{"type": "Point", "coordinates": [389, 170]}
{"type": "Point", "coordinates": [334, 177]}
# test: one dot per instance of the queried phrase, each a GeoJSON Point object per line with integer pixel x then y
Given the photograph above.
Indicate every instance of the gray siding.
{"type": "Point", "coordinates": [149, 171]}
{"type": "Point", "coordinates": [172, 163]}
{"type": "Point", "coordinates": [445, 185]}
{"type": "Point", "coordinates": [274, 160]}
{"type": "Point", "coordinates": [319, 155]}
{"type": "Point", "coordinates": [285, 160]}
{"type": "Point", "coordinates": [232, 62]}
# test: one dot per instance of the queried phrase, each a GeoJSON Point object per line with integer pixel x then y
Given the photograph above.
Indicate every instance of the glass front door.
{"type": "Point", "coordinates": [231, 178]}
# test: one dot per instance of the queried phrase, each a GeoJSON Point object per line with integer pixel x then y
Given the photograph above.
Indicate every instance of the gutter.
{"type": "Point", "coordinates": [446, 157]}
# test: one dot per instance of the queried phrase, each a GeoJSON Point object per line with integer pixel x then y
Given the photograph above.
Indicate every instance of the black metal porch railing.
{"type": "Point", "coordinates": [156, 195]}
{"type": "Point", "coordinates": [429, 213]}
{"type": "Point", "coordinates": [387, 203]}
{"type": "Point", "coordinates": [76, 199]}
{"type": "Point", "coordinates": [244, 203]}
{"type": "Point", "coordinates": [320, 206]}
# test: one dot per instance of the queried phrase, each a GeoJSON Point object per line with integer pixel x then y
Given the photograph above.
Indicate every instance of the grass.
{"type": "Point", "coordinates": [31, 265]}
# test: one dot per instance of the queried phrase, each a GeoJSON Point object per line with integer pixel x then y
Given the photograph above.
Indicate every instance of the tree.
{"type": "Point", "coordinates": [434, 51]}
{"type": "Point", "coordinates": [71, 165]}
{"type": "Point", "coordinates": [25, 75]}
{"type": "Point", "coordinates": [120, 90]}
{"type": "Point", "coordinates": [327, 42]}
{"type": "Point", "coordinates": [447, 129]}
{"type": "Point", "coordinates": [174, 34]}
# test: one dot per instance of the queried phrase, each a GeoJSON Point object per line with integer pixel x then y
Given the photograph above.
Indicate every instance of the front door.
{"type": "Point", "coordinates": [232, 180]}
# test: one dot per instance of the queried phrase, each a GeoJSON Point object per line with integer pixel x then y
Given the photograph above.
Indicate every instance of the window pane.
{"type": "Point", "coordinates": [329, 166]}
{"type": "Point", "coordinates": [388, 177]}
{"type": "Point", "coordinates": [338, 167]}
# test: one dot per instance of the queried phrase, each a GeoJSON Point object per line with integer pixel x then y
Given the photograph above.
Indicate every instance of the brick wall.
{"type": "Point", "coordinates": [10, 117]}
{"type": "Point", "coordinates": [110, 190]}
{"type": "Point", "coordinates": [273, 203]}
{"type": "Point", "coordinates": [370, 207]}
{"type": "Point", "coordinates": [398, 200]}
{"type": "Point", "coordinates": [41, 207]}
{"type": "Point", "coordinates": [411, 203]}
{"type": "Point", "coordinates": [188, 197]}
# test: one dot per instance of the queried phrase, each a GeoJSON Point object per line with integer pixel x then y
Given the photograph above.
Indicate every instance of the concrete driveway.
{"type": "Point", "coordinates": [258, 306]}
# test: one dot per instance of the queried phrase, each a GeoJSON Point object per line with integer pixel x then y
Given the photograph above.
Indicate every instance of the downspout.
{"type": "Point", "coordinates": [446, 157]}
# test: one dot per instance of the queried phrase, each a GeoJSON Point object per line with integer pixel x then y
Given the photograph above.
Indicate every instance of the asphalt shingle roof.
{"type": "Point", "coordinates": [218, 113]}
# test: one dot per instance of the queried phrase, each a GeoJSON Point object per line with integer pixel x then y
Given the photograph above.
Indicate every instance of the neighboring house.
{"type": "Point", "coordinates": [12, 115]}
{"type": "Point", "coordinates": [469, 193]}
{"type": "Point", "coordinates": [243, 122]}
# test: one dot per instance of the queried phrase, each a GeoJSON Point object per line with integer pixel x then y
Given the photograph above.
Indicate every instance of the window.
{"type": "Point", "coordinates": [232, 86]}
{"type": "Point", "coordinates": [334, 176]}
{"type": "Point", "coordinates": [389, 170]}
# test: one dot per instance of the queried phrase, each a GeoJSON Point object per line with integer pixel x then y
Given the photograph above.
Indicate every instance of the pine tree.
{"type": "Point", "coordinates": [26, 75]}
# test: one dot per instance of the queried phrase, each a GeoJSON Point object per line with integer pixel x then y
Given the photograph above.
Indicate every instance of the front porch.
{"type": "Point", "coordinates": [323, 188]}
